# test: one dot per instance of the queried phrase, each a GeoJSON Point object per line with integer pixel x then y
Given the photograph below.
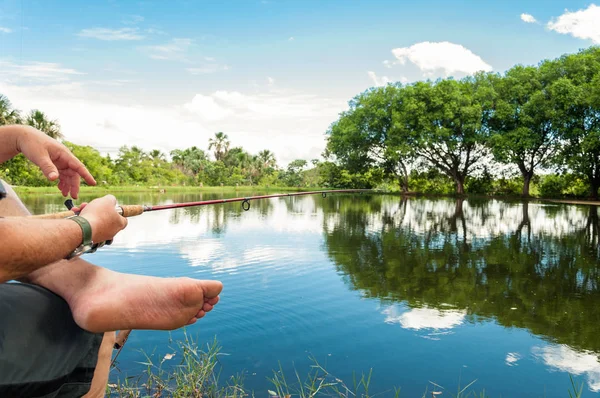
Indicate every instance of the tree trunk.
{"type": "Point", "coordinates": [594, 185]}
{"type": "Point", "coordinates": [403, 180]}
{"type": "Point", "coordinates": [460, 185]}
{"type": "Point", "coordinates": [526, 183]}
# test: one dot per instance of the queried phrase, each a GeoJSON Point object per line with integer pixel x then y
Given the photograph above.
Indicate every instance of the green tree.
{"type": "Point", "coordinates": [99, 166]}
{"type": "Point", "coordinates": [366, 136]}
{"type": "Point", "coordinates": [8, 115]}
{"type": "Point", "coordinates": [221, 145]}
{"type": "Point", "coordinates": [576, 99]}
{"type": "Point", "coordinates": [447, 118]}
{"type": "Point", "coordinates": [521, 124]}
{"type": "Point", "coordinates": [267, 159]}
{"type": "Point", "coordinates": [40, 121]}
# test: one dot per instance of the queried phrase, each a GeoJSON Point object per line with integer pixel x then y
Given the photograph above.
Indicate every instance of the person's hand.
{"type": "Point", "coordinates": [102, 215]}
{"type": "Point", "coordinates": [54, 159]}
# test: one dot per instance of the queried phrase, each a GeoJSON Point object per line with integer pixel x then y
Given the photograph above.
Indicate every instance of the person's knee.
{"type": "Point", "coordinates": [11, 205]}
{"type": "Point", "coordinates": [10, 193]}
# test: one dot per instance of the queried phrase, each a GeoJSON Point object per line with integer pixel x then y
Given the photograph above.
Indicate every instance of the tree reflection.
{"type": "Point", "coordinates": [216, 216]}
{"type": "Point", "coordinates": [490, 259]}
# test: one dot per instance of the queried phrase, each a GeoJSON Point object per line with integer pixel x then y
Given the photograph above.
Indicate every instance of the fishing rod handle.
{"type": "Point", "coordinates": [125, 211]}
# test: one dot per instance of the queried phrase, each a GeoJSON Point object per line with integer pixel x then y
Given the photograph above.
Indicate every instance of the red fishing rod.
{"type": "Point", "coordinates": [136, 210]}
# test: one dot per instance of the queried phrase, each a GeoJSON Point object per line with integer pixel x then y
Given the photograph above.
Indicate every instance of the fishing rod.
{"type": "Point", "coordinates": [136, 210]}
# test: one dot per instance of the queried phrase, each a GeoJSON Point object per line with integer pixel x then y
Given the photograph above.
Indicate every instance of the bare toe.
{"type": "Point", "coordinates": [192, 321]}
{"type": "Point", "coordinates": [212, 289]}
{"type": "Point", "coordinates": [213, 301]}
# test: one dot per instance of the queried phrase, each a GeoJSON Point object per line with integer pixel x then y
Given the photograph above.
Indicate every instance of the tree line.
{"type": "Point", "coordinates": [530, 119]}
{"type": "Point", "coordinates": [489, 133]}
{"type": "Point", "coordinates": [134, 166]}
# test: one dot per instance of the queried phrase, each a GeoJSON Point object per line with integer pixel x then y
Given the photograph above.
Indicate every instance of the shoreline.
{"type": "Point", "coordinates": [24, 190]}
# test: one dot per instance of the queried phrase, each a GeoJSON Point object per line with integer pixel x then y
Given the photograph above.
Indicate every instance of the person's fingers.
{"type": "Point", "coordinates": [74, 188]}
{"type": "Point", "coordinates": [81, 170]}
{"type": "Point", "coordinates": [63, 186]}
{"type": "Point", "coordinates": [111, 198]}
{"type": "Point", "coordinates": [47, 166]}
{"type": "Point", "coordinates": [79, 208]}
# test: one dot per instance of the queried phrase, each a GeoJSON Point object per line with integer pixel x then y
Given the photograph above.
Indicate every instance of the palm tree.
{"type": "Point", "coordinates": [220, 143]}
{"type": "Point", "coordinates": [40, 121]}
{"type": "Point", "coordinates": [8, 115]}
{"type": "Point", "coordinates": [157, 157]}
{"type": "Point", "coordinates": [267, 159]}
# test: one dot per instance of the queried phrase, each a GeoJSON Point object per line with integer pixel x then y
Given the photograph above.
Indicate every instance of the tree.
{"type": "Point", "coordinates": [40, 121]}
{"type": "Point", "coordinates": [267, 159]}
{"type": "Point", "coordinates": [447, 120]}
{"type": "Point", "coordinates": [521, 123]}
{"type": "Point", "coordinates": [575, 95]}
{"type": "Point", "coordinates": [293, 175]}
{"type": "Point", "coordinates": [221, 145]}
{"type": "Point", "coordinates": [191, 161]}
{"type": "Point", "coordinates": [8, 115]}
{"type": "Point", "coordinates": [365, 137]}
{"type": "Point", "coordinates": [99, 166]}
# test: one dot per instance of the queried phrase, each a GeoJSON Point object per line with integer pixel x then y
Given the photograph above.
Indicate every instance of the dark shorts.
{"type": "Point", "coordinates": [43, 353]}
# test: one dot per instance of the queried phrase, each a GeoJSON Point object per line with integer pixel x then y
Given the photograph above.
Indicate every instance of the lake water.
{"type": "Point", "coordinates": [418, 290]}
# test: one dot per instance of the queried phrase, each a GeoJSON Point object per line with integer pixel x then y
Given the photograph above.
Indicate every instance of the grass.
{"type": "Point", "coordinates": [158, 188]}
{"type": "Point", "coordinates": [197, 374]}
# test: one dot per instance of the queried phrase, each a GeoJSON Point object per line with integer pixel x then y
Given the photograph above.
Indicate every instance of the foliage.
{"type": "Point", "coordinates": [534, 118]}
{"type": "Point", "coordinates": [438, 137]}
{"type": "Point", "coordinates": [198, 375]}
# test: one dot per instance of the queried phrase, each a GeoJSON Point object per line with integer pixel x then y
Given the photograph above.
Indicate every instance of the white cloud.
{"type": "Point", "coordinates": [565, 359]}
{"type": "Point", "coordinates": [5, 30]}
{"type": "Point", "coordinates": [583, 24]}
{"type": "Point", "coordinates": [291, 38]}
{"type": "Point", "coordinates": [41, 72]}
{"type": "Point", "coordinates": [111, 34]}
{"type": "Point", "coordinates": [528, 18]}
{"type": "Point", "coordinates": [207, 69]}
{"type": "Point", "coordinates": [279, 118]}
{"type": "Point", "coordinates": [207, 108]}
{"type": "Point", "coordinates": [275, 120]}
{"type": "Point", "coordinates": [133, 20]}
{"type": "Point", "coordinates": [173, 50]}
{"type": "Point", "coordinates": [270, 81]}
{"type": "Point", "coordinates": [378, 81]}
{"type": "Point", "coordinates": [441, 57]}
{"type": "Point", "coordinates": [154, 31]}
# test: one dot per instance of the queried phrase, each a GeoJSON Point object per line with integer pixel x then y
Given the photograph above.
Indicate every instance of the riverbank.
{"type": "Point", "coordinates": [159, 189]}
{"type": "Point", "coordinates": [103, 190]}
{"type": "Point", "coordinates": [191, 371]}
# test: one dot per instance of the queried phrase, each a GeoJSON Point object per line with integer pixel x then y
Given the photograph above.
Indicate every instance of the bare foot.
{"type": "Point", "coordinates": [114, 301]}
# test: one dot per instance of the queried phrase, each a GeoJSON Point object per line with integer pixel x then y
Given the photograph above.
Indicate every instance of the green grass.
{"type": "Point", "coordinates": [197, 374]}
{"type": "Point", "coordinates": [157, 188]}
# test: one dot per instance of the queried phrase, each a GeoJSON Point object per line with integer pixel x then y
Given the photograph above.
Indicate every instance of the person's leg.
{"type": "Point", "coordinates": [43, 352]}
{"type": "Point", "coordinates": [100, 380]}
{"type": "Point", "coordinates": [102, 300]}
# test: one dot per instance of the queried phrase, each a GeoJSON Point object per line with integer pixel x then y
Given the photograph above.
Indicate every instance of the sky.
{"type": "Point", "coordinates": [271, 74]}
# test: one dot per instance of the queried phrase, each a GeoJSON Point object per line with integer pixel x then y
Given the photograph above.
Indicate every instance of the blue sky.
{"type": "Point", "coordinates": [270, 73]}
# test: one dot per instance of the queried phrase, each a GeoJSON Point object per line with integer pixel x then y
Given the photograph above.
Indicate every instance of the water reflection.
{"type": "Point", "coordinates": [524, 265]}
{"type": "Point", "coordinates": [436, 267]}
